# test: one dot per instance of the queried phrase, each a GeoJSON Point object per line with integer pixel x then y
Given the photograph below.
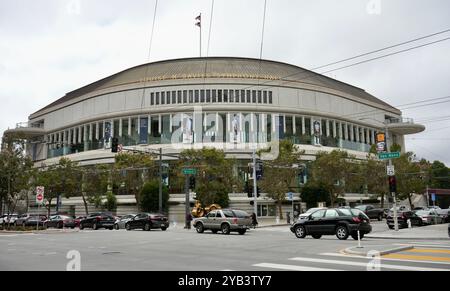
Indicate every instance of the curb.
{"type": "Point", "coordinates": [408, 238]}
{"type": "Point", "coordinates": [351, 251]}
{"type": "Point", "coordinates": [272, 225]}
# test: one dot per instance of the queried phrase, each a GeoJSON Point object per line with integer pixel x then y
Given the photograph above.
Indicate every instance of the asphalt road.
{"type": "Point", "coordinates": [263, 249]}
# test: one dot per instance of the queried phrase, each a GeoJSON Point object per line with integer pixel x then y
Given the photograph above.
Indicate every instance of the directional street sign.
{"type": "Point", "coordinates": [390, 170]}
{"type": "Point", "coordinates": [189, 171]}
{"type": "Point", "coordinates": [386, 156]}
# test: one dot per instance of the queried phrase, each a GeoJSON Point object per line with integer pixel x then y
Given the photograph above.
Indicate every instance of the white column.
{"type": "Point", "coordinates": [149, 128]}
{"type": "Point", "coordinates": [120, 127]}
{"type": "Point", "coordinates": [327, 122]}
{"type": "Point", "coordinates": [160, 125]}
{"type": "Point", "coordinates": [345, 131]}
{"type": "Point", "coordinates": [129, 126]}
{"type": "Point", "coordinates": [139, 125]}
{"type": "Point", "coordinates": [97, 130]}
{"type": "Point", "coordinates": [79, 134]}
{"type": "Point", "coordinates": [303, 125]}
{"type": "Point", "coordinates": [293, 124]}
{"type": "Point", "coordinates": [334, 128]}
{"type": "Point", "coordinates": [357, 128]}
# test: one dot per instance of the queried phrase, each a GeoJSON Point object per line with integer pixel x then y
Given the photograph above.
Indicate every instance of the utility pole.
{"type": "Point", "coordinates": [186, 202]}
{"type": "Point", "coordinates": [160, 181]}
{"type": "Point", "coordinates": [393, 193]}
{"type": "Point", "coordinates": [255, 186]}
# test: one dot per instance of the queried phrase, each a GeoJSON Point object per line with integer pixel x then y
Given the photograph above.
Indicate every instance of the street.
{"type": "Point", "coordinates": [177, 249]}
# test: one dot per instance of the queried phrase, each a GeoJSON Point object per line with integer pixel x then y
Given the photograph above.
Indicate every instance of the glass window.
{"type": "Point", "coordinates": [191, 96]}
{"type": "Point", "coordinates": [185, 96]}
{"type": "Point", "coordinates": [211, 214]}
{"type": "Point", "coordinates": [331, 213]}
{"type": "Point", "coordinates": [197, 96]}
{"type": "Point", "coordinates": [345, 212]}
{"type": "Point", "coordinates": [179, 97]}
{"type": "Point", "coordinates": [237, 96]}
{"type": "Point", "coordinates": [219, 215]}
{"type": "Point", "coordinates": [202, 96]}
{"type": "Point", "coordinates": [270, 97]}
{"type": "Point", "coordinates": [318, 214]}
{"type": "Point", "coordinates": [307, 126]}
{"type": "Point", "coordinates": [163, 97]}
{"type": "Point", "coordinates": [228, 213]}
{"type": "Point", "coordinates": [219, 96]}
{"type": "Point", "coordinates": [174, 97]}
{"type": "Point", "coordinates": [231, 95]}
{"type": "Point", "coordinates": [259, 97]}
{"type": "Point", "coordinates": [214, 96]}
{"type": "Point", "coordinates": [225, 95]}
{"type": "Point", "coordinates": [152, 98]}
{"type": "Point", "coordinates": [242, 96]}
{"type": "Point", "coordinates": [168, 97]}
{"type": "Point", "coordinates": [289, 126]}
{"type": "Point", "coordinates": [265, 97]}
{"type": "Point", "coordinates": [254, 96]}
{"type": "Point", "coordinates": [157, 98]}
{"type": "Point", "coordinates": [208, 96]}
{"type": "Point", "coordinates": [298, 125]}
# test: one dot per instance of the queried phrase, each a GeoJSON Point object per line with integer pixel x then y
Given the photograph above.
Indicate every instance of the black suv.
{"type": "Point", "coordinates": [148, 221]}
{"type": "Point", "coordinates": [342, 222]}
{"type": "Point", "coordinates": [98, 220]}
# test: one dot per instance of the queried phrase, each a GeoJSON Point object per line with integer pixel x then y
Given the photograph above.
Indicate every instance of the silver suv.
{"type": "Point", "coordinates": [225, 220]}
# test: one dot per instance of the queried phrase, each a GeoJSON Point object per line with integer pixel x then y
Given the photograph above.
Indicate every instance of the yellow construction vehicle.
{"type": "Point", "coordinates": [199, 211]}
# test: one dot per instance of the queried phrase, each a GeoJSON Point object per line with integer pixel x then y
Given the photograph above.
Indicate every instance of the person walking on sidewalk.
{"type": "Point", "coordinates": [188, 221]}
{"type": "Point", "coordinates": [254, 220]}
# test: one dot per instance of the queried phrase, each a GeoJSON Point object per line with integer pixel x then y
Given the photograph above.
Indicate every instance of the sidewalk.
{"type": "Point", "coordinates": [431, 232]}
{"type": "Point", "coordinates": [380, 250]}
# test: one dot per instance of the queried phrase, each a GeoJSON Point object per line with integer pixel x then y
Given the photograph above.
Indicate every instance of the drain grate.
{"type": "Point", "coordinates": [111, 253]}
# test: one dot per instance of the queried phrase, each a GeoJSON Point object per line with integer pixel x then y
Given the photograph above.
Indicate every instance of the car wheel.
{"type": "Point", "coordinates": [72, 227]}
{"type": "Point", "coordinates": [127, 226]}
{"type": "Point", "coordinates": [300, 231]}
{"type": "Point", "coordinates": [60, 225]}
{"type": "Point", "coordinates": [95, 226]}
{"type": "Point", "coordinates": [214, 230]}
{"type": "Point", "coordinates": [380, 217]}
{"type": "Point", "coordinates": [355, 236]}
{"type": "Point", "coordinates": [199, 227]}
{"type": "Point", "coordinates": [342, 232]}
{"type": "Point", "coordinates": [225, 228]}
{"type": "Point", "coordinates": [116, 226]}
{"type": "Point", "coordinates": [242, 231]}
{"type": "Point", "coordinates": [163, 228]}
{"type": "Point", "coordinates": [390, 227]}
{"type": "Point", "coordinates": [316, 236]}
{"type": "Point", "coordinates": [81, 226]}
{"type": "Point", "coordinates": [147, 226]}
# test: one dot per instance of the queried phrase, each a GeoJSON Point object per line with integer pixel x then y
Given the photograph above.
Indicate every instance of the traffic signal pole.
{"type": "Point", "coordinates": [393, 193]}
{"type": "Point", "coordinates": [160, 181]}
{"type": "Point", "coordinates": [255, 189]}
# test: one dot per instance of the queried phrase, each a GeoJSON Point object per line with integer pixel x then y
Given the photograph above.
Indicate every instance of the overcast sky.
{"type": "Point", "coordinates": [51, 47]}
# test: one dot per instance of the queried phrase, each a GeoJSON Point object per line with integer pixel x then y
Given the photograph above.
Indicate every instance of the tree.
{"type": "Point", "coordinates": [62, 179]}
{"type": "Point", "coordinates": [439, 175]}
{"type": "Point", "coordinates": [311, 195]}
{"type": "Point", "coordinates": [215, 174]}
{"type": "Point", "coordinates": [373, 174]}
{"type": "Point", "coordinates": [409, 176]}
{"type": "Point", "coordinates": [333, 171]}
{"type": "Point", "coordinates": [281, 173]}
{"type": "Point", "coordinates": [95, 184]}
{"type": "Point", "coordinates": [150, 197]}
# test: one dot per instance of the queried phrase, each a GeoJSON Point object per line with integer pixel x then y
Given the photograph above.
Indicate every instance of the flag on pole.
{"type": "Point", "coordinates": [199, 21]}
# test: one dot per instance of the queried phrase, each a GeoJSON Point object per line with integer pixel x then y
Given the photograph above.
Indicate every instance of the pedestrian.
{"type": "Point", "coordinates": [254, 220]}
{"type": "Point", "coordinates": [188, 221]}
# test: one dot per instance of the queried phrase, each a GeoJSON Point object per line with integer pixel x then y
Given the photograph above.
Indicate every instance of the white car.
{"type": "Point", "coordinates": [8, 219]}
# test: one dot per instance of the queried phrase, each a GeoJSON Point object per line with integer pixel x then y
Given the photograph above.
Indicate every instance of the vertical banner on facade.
{"type": "Point", "coordinates": [235, 129]}
{"type": "Point", "coordinates": [143, 131]}
{"type": "Point", "coordinates": [107, 134]}
{"type": "Point", "coordinates": [316, 128]}
{"type": "Point", "coordinates": [188, 136]}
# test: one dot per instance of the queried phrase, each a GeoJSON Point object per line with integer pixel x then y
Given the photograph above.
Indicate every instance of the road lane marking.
{"type": "Point", "coordinates": [291, 267]}
{"type": "Point", "coordinates": [431, 251]}
{"type": "Point", "coordinates": [426, 245]}
{"type": "Point", "coordinates": [414, 257]}
{"type": "Point", "coordinates": [363, 264]}
{"type": "Point", "coordinates": [381, 258]}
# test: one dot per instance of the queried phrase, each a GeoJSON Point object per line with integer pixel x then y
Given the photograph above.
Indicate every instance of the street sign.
{"type": "Point", "coordinates": [386, 156]}
{"type": "Point", "coordinates": [189, 171]}
{"type": "Point", "coordinates": [39, 194]}
{"type": "Point", "coordinates": [390, 170]}
{"type": "Point", "coordinates": [290, 196]}
{"type": "Point", "coordinates": [433, 197]}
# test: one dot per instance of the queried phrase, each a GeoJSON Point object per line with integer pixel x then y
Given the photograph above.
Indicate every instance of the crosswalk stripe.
{"type": "Point", "coordinates": [431, 251]}
{"type": "Point", "coordinates": [414, 257]}
{"type": "Point", "coordinates": [363, 264]}
{"type": "Point", "coordinates": [440, 246]}
{"type": "Point", "coordinates": [382, 258]}
{"type": "Point", "coordinates": [291, 267]}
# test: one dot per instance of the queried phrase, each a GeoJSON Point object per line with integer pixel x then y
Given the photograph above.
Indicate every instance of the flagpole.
{"type": "Point", "coordinates": [200, 35]}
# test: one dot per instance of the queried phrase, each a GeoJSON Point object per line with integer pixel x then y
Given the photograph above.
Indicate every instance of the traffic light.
{"type": "Point", "coordinates": [249, 190]}
{"type": "Point", "coordinates": [259, 170]}
{"type": "Point", "coordinates": [392, 184]}
{"type": "Point", "coordinates": [114, 145]}
{"type": "Point", "coordinates": [192, 182]}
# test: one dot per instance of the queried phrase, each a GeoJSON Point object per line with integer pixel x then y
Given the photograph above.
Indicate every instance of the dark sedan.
{"type": "Point", "coordinates": [59, 221]}
{"type": "Point", "coordinates": [98, 220]}
{"type": "Point", "coordinates": [402, 219]}
{"type": "Point", "coordinates": [148, 221]}
{"type": "Point", "coordinates": [342, 222]}
{"type": "Point", "coordinates": [35, 220]}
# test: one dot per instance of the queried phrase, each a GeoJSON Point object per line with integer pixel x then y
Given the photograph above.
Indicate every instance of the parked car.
{"type": "Point", "coordinates": [430, 216]}
{"type": "Point", "coordinates": [402, 219]}
{"type": "Point", "coordinates": [225, 220]}
{"type": "Point", "coordinates": [445, 214]}
{"type": "Point", "coordinates": [78, 219]}
{"type": "Point", "coordinates": [342, 222]}
{"type": "Point", "coordinates": [21, 219]}
{"type": "Point", "coordinates": [148, 221]}
{"type": "Point", "coordinates": [34, 220]}
{"type": "Point", "coordinates": [59, 221]}
{"type": "Point", "coordinates": [308, 212]}
{"type": "Point", "coordinates": [98, 220]}
{"type": "Point", "coordinates": [371, 211]}
{"type": "Point", "coordinates": [120, 222]}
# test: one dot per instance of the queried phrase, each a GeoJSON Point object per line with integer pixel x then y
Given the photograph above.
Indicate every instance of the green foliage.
{"type": "Point", "coordinates": [395, 148]}
{"type": "Point", "coordinates": [408, 176]}
{"type": "Point", "coordinates": [213, 192]}
{"type": "Point", "coordinates": [111, 201]}
{"type": "Point", "coordinates": [150, 197]}
{"type": "Point", "coordinates": [312, 195]}
{"type": "Point", "coordinates": [280, 175]}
